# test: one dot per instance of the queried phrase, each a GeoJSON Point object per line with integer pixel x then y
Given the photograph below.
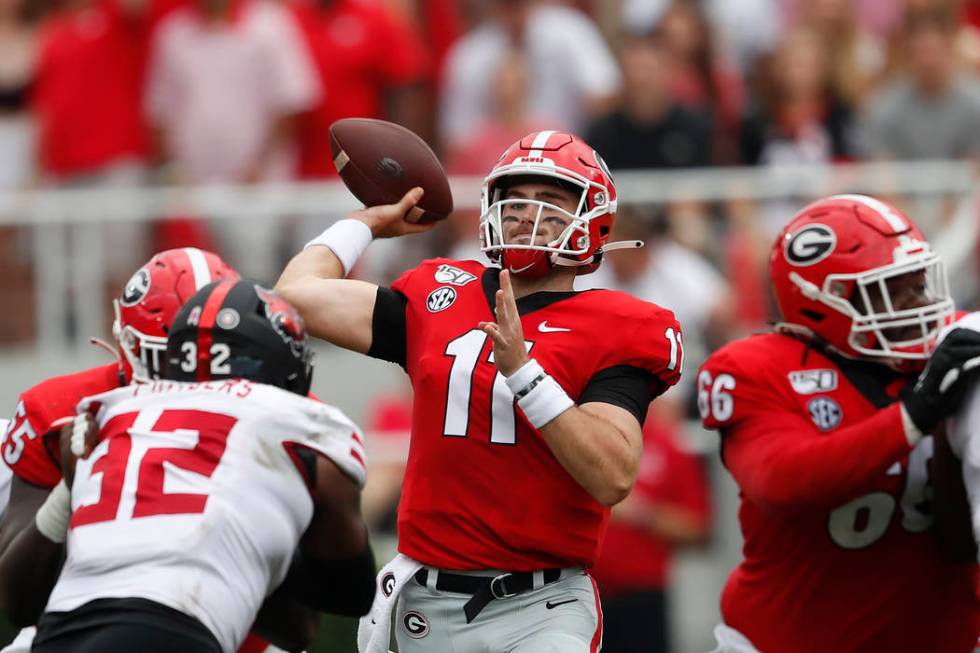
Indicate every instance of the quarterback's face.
{"type": "Point", "coordinates": [518, 217]}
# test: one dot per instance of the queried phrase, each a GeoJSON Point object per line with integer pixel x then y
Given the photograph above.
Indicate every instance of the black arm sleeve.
{"type": "Point", "coordinates": [388, 326]}
{"type": "Point", "coordinates": [344, 587]}
{"type": "Point", "coordinates": [625, 386]}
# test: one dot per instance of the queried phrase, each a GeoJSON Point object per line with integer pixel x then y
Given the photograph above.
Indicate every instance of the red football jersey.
{"type": "Point", "coordinates": [482, 489]}
{"type": "Point", "coordinates": [835, 506]}
{"type": "Point", "coordinates": [44, 408]}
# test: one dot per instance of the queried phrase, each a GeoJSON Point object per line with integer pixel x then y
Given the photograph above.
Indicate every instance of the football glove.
{"type": "Point", "coordinates": [939, 389]}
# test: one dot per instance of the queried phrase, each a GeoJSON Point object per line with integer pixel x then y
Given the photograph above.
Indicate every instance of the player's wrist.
{"type": "Point", "coordinates": [347, 239]}
{"type": "Point", "coordinates": [51, 519]}
{"type": "Point", "coordinates": [912, 432]}
{"type": "Point", "coordinates": [539, 396]}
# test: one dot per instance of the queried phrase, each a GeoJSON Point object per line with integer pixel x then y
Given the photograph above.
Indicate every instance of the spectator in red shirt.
{"type": "Point", "coordinates": [371, 63]}
{"type": "Point", "coordinates": [87, 98]}
{"type": "Point", "coordinates": [667, 508]}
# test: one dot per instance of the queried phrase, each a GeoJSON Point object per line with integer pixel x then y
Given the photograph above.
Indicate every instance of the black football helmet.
{"type": "Point", "coordinates": [238, 329]}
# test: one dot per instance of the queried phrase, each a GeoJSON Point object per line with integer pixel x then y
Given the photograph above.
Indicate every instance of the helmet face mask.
{"type": "Point", "coordinates": [858, 274]}
{"type": "Point", "coordinates": [557, 159]}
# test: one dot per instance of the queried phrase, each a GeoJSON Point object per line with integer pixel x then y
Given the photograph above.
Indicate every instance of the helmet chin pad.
{"type": "Point", "coordinates": [526, 263]}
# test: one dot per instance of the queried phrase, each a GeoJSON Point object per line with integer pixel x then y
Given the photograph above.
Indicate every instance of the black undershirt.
{"type": "Point", "coordinates": [625, 386]}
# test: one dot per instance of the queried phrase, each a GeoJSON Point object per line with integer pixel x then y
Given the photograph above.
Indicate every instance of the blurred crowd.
{"type": "Point", "coordinates": [123, 93]}
{"type": "Point", "coordinates": [106, 93]}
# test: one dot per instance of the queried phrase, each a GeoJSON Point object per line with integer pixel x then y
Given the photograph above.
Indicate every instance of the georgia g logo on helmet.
{"type": "Point", "coordinates": [136, 288]}
{"type": "Point", "coordinates": [810, 245]}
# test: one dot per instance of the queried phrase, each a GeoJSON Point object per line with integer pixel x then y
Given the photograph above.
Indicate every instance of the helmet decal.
{"type": "Point", "coordinates": [136, 288]}
{"type": "Point", "coordinates": [810, 245]}
{"type": "Point", "coordinates": [228, 318]}
{"type": "Point", "coordinates": [284, 319]}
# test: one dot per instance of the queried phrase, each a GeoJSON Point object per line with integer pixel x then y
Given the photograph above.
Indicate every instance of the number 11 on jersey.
{"type": "Point", "coordinates": [465, 351]}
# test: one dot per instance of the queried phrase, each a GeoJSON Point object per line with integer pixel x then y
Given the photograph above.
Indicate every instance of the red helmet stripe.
{"type": "Point", "coordinates": [204, 337]}
{"type": "Point", "coordinates": [199, 266]}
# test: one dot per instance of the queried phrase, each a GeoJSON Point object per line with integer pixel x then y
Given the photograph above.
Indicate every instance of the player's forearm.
{"type": "Point", "coordinates": [311, 263]}
{"type": "Point", "coordinates": [790, 470]}
{"type": "Point", "coordinates": [28, 571]}
{"type": "Point", "coordinates": [595, 453]}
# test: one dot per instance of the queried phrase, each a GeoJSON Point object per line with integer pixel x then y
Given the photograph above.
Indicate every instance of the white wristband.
{"type": "Point", "coordinates": [347, 239]}
{"type": "Point", "coordinates": [52, 517]}
{"type": "Point", "coordinates": [524, 375]}
{"type": "Point", "coordinates": [538, 394]}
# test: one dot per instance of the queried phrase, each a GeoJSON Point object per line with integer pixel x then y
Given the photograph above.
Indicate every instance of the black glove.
{"type": "Point", "coordinates": [940, 387]}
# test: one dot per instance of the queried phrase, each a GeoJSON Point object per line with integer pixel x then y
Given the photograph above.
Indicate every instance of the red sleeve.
{"type": "Point", "coordinates": [782, 461]}
{"type": "Point", "coordinates": [23, 445]}
{"type": "Point", "coordinates": [652, 342]}
{"type": "Point", "coordinates": [778, 457]}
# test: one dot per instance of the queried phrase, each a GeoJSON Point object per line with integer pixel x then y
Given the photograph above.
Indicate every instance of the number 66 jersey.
{"type": "Point", "coordinates": [195, 497]}
{"type": "Point", "coordinates": [835, 506]}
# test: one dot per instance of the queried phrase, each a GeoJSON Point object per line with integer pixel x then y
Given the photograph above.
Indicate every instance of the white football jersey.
{"type": "Point", "coordinates": [192, 499]}
{"type": "Point", "coordinates": [964, 432]}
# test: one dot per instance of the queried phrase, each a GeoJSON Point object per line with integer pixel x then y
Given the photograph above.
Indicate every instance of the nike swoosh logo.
{"type": "Point", "coordinates": [544, 328]}
{"type": "Point", "coordinates": [551, 606]}
{"type": "Point", "coordinates": [519, 270]}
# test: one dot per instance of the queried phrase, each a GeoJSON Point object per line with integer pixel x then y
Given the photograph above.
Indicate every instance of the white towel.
{"type": "Point", "coordinates": [374, 629]}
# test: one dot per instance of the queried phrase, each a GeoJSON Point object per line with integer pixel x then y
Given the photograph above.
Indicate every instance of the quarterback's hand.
{"type": "Point", "coordinates": [940, 387]}
{"type": "Point", "coordinates": [388, 220]}
{"type": "Point", "coordinates": [509, 351]}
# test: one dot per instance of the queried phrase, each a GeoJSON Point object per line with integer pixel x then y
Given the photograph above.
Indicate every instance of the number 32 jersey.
{"type": "Point", "coordinates": [194, 497]}
{"type": "Point", "coordinates": [482, 489]}
{"type": "Point", "coordinates": [835, 506]}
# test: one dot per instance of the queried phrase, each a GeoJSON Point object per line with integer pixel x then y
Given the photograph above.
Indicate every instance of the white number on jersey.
{"type": "Point", "coordinates": [19, 428]}
{"type": "Point", "coordinates": [465, 351]}
{"type": "Point", "coordinates": [114, 461]}
{"type": "Point", "coordinates": [863, 521]}
{"type": "Point", "coordinates": [715, 398]}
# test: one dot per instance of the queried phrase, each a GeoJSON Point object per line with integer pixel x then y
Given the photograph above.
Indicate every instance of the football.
{"type": "Point", "coordinates": [380, 161]}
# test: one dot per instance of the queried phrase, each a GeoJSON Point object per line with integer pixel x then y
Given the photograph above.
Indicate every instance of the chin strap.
{"type": "Point", "coordinates": [608, 247]}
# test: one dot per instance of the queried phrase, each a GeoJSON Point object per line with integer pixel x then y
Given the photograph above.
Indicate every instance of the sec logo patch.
{"type": "Point", "coordinates": [825, 412]}
{"type": "Point", "coordinates": [440, 299]}
{"type": "Point", "coordinates": [416, 624]}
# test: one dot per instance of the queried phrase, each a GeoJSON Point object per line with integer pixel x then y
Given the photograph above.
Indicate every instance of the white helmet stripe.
{"type": "Point", "coordinates": [886, 212]}
{"type": "Point", "coordinates": [199, 264]}
{"type": "Point", "coordinates": [539, 142]}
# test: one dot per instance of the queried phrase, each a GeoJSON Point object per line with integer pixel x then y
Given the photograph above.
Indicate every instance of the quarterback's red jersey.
{"type": "Point", "coordinates": [45, 408]}
{"type": "Point", "coordinates": [835, 506]}
{"type": "Point", "coordinates": [482, 489]}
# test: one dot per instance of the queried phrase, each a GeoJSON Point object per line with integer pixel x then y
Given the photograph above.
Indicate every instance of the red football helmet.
{"type": "Point", "coordinates": [565, 160]}
{"type": "Point", "coordinates": [150, 301]}
{"type": "Point", "coordinates": [857, 273]}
